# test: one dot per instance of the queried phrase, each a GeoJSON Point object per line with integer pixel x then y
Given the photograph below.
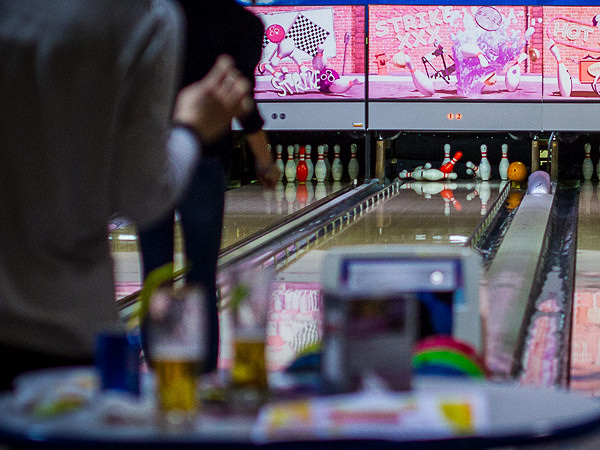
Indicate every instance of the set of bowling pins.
{"type": "Point", "coordinates": [587, 166]}
{"type": "Point", "coordinates": [428, 173]}
{"type": "Point", "coordinates": [484, 170]}
{"type": "Point", "coordinates": [299, 165]}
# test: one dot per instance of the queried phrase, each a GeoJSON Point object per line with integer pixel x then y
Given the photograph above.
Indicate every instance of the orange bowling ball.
{"type": "Point", "coordinates": [517, 171]}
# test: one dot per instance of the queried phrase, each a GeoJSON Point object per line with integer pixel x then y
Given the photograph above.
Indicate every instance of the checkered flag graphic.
{"type": "Point", "coordinates": [307, 35]}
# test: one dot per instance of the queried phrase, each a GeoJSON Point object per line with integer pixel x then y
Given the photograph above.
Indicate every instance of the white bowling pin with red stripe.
{"type": "Point", "coordinates": [485, 169]}
{"type": "Point", "coordinates": [449, 166]}
{"type": "Point", "coordinates": [446, 154]}
{"type": "Point", "coordinates": [587, 166]}
{"type": "Point", "coordinates": [504, 163]}
{"type": "Point", "coordinates": [421, 81]}
{"type": "Point", "coordinates": [435, 175]}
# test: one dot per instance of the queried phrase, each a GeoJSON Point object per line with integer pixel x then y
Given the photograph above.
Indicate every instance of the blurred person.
{"type": "Point", "coordinates": [213, 28]}
{"type": "Point", "coordinates": [90, 126]}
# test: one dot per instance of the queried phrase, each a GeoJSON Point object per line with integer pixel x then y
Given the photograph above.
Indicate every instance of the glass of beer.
{"type": "Point", "coordinates": [250, 307]}
{"type": "Point", "coordinates": [176, 335]}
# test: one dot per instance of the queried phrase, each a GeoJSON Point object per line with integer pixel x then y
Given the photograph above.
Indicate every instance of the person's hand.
{"type": "Point", "coordinates": [210, 104]}
{"type": "Point", "coordinates": [267, 175]}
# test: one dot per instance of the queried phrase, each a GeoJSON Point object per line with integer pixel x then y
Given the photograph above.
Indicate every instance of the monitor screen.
{"type": "Point", "coordinates": [455, 52]}
{"type": "Point", "coordinates": [312, 53]}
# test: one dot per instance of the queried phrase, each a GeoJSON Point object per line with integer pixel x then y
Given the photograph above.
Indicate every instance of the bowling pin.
{"type": "Point", "coordinates": [309, 163]}
{"type": "Point", "coordinates": [290, 165]}
{"type": "Point", "coordinates": [343, 84]}
{"type": "Point", "coordinates": [471, 50]}
{"type": "Point", "coordinates": [279, 161]}
{"type": "Point", "coordinates": [337, 169]}
{"type": "Point", "coordinates": [472, 169]}
{"type": "Point", "coordinates": [565, 83]}
{"type": "Point", "coordinates": [399, 59]}
{"type": "Point", "coordinates": [504, 163]}
{"type": "Point", "coordinates": [446, 154]}
{"type": "Point", "coordinates": [320, 167]}
{"type": "Point", "coordinates": [319, 62]}
{"type": "Point", "coordinates": [296, 153]}
{"type": "Point", "coordinates": [302, 168]}
{"type": "Point", "coordinates": [327, 162]}
{"type": "Point", "coordinates": [587, 166]}
{"type": "Point", "coordinates": [421, 81]}
{"type": "Point", "coordinates": [449, 166]}
{"type": "Point", "coordinates": [485, 169]}
{"type": "Point", "coordinates": [513, 75]}
{"type": "Point", "coordinates": [353, 164]}
{"type": "Point", "coordinates": [435, 175]}
{"type": "Point", "coordinates": [485, 192]}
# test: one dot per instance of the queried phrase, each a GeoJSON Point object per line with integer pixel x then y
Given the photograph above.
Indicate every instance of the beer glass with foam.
{"type": "Point", "coordinates": [176, 337]}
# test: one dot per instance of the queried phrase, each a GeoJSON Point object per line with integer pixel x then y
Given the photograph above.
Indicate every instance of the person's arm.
{"type": "Point", "coordinates": [266, 170]}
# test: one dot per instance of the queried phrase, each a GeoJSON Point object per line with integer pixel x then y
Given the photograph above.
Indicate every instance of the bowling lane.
{"type": "Point", "coordinates": [249, 209]}
{"type": "Point", "coordinates": [420, 213]}
{"type": "Point", "coordinates": [585, 339]}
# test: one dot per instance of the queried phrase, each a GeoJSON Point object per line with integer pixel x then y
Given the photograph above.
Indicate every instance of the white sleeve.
{"type": "Point", "coordinates": [184, 151]}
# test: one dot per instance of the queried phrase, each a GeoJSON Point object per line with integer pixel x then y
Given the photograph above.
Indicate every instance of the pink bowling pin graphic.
{"type": "Point", "coordinates": [513, 75]}
{"type": "Point", "coordinates": [471, 50]}
{"type": "Point", "coordinates": [343, 84]}
{"type": "Point", "coordinates": [421, 81]}
{"type": "Point", "coordinates": [565, 83]}
{"type": "Point", "coordinates": [449, 166]}
{"type": "Point", "coordinates": [319, 62]}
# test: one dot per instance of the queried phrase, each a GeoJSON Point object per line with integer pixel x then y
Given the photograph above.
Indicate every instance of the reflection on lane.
{"type": "Point", "coordinates": [420, 213]}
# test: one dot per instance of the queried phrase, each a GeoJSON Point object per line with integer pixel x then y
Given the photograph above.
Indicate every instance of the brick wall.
{"type": "Point", "coordinates": [349, 19]}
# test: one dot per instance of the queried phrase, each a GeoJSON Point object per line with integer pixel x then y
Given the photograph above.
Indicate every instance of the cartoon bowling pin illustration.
{"type": "Point", "coordinates": [421, 81]}
{"type": "Point", "coordinates": [319, 61]}
{"type": "Point", "coordinates": [471, 50]}
{"type": "Point", "coordinates": [513, 75]}
{"type": "Point", "coordinates": [565, 83]}
{"type": "Point", "coordinates": [343, 84]}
